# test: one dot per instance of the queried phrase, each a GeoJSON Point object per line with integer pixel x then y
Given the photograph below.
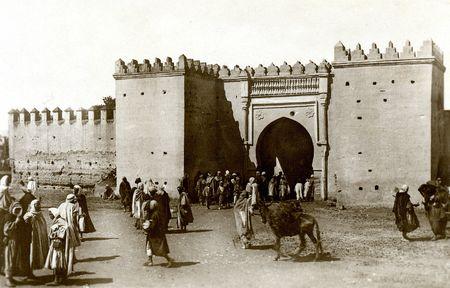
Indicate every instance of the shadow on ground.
{"type": "Point", "coordinates": [261, 247]}
{"type": "Point", "coordinates": [99, 259]}
{"type": "Point", "coordinates": [188, 231]}
{"type": "Point", "coordinates": [98, 238]}
{"type": "Point", "coordinates": [88, 281]}
{"type": "Point", "coordinates": [325, 257]}
{"type": "Point", "coordinates": [176, 264]}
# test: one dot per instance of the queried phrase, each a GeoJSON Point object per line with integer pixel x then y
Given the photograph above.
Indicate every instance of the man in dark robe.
{"type": "Point", "coordinates": [85, 221]}
{"type": "Point", "coordinates": [264, 186]}
{"type": "Point", "coordinates": [124, 191]}
{"type": "Point", "coordinates": [405, 218]}
{"type": "Point", "coordinates": [437, 209]}
{"type": "Point", "coordinates": [163, 200]}
{"type": "Point", "coordinates": [156, 242]}
{"type": "Point", "coordinates": [17, 241]}
{"type": "Point", "coordinates": [26, 230]}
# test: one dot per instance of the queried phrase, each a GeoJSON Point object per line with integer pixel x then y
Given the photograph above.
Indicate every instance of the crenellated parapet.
{"type": "Point", "coordinates": [186, 66]}
{"type": "Point", "coordinates": [158, 68]}
{"type": "Point", "coordinates": [271, 71]}
{"type": "Point", "coordinates": [95, 114]}
{"type": "Point", "coordinates": [428, 51]}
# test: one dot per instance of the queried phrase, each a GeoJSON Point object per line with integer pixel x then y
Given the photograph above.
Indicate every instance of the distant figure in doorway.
{"type": "Point", "coordinates": [272, 189]}
{"type": "Point", "coordinates": [184, 210]}
{"type": "Point", "coordinates": [284, 188]}
{"type": "Point", "coordinates": [405, 217]}
{"type": "Point", "coordinates": [309, 188]}
{"type": "Point", "coordinates": [155, 228]}
{"type": "Point", "coordinates": [299, 190]}
{"type": "Point", "coordinates": [84, 219]}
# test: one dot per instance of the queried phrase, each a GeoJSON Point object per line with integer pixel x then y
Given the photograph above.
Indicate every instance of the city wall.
{"type": "Point", "coordinates": [61, 148]}
{"type": "Point", "coordinates": [383, 120]}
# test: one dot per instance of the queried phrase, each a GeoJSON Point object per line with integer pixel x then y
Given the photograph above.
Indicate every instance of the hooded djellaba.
{"type": "Point", "coordinates": [84, 222]}
{"type": "Point", "coordinates": [68, 211]}
{"type": "Point", "coordinates": [17, 250]}
{"type": "Point", "coordinates": [184, 210]}
{"type": "Point", "coordinates": [156, 242]}
{"type": "Point", "coordinates": [243, 216]}
{"type": "Point", "coordinates": [5, 203]}
{"type": "Point", "coordinates": [39, 237]}
{"type": "Point", "coordinates": [56, 258]}
{"type": "Point", "coordinates": [405, 217]}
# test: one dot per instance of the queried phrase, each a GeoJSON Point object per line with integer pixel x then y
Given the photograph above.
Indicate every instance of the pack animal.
{"type": "Point", "coordinates": [287, 219]}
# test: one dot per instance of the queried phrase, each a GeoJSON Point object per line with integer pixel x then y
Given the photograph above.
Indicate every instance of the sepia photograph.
{"type": "Point", "coordinates": [225, 143]}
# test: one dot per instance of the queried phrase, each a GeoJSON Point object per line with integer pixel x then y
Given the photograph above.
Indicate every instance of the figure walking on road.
{"type": "Point", "coordinates": [156, 242]}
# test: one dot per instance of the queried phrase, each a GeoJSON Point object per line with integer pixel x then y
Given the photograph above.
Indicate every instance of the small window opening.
{"type": "Point", "coordinates": [412, 81]}
{"type": "Point", "coordinates": [90, 163]}
{"type": "Point", "coordinates": [112, 138]}
{"type": "Point", "coordinates": [54, 137]}
{"type": "Point", "coordinates": [359, 118]}
{"type": "Point", "coordinates": [392, 81]}
{"type": "Point", "coordinates": [370, 170]}
{"type": "Point", "coordinates": [384, 100]}
{"type": "Point", "coordinates": [374, 83]}
{"type": "Point", "coordinates": [124, 94]}
{"type": "Point", "coordinates": [99, 138]}
{"type": "Point", "coordinates": [142, 93]}
{"type": "Point", "coordinates": [376, 187]}
{"type": "Point", "coordinates": [164, 91]}
{"type": "Point", "coordinates": [358, 101]}
{"type": "Point", "coordinates": [28, 161]}
{"type": "Point", "coordinates": [347, 83]}
{"type": "Point", "coordinates": [359, 153]}
{"type": "Point", "coordinates": [53, 163]}
{"type": "Point", "coordinates": [360, 188]}
{"type": "Point", "coordinates": [292, 113]}
{"type": "Point", "coordinates": [165, 153]}
{"type": "Point", "coordinates": [151, 153]}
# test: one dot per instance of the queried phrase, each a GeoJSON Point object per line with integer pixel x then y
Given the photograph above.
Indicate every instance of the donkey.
{"type": "Point", "coordinates": [288, 219]}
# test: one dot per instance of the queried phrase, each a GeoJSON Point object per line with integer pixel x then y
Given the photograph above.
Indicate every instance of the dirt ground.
{"type": "Point", "coordinates": [365, 250]}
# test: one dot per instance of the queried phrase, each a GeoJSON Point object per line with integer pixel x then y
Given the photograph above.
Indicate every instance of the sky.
{"type": "Point", "coordinates": [62, 53]}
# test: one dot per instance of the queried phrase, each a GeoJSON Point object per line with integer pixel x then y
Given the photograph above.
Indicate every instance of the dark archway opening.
{"type": "Point", "coordinates": [291, 143]}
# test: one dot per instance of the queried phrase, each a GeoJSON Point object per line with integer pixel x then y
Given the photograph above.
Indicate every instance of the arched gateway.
{"type": "Point", "coordinates": [290, 143]}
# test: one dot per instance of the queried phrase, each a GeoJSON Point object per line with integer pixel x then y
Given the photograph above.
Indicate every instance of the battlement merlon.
{"type": "Point", "coordinates": [95, 114]}
{"type": "Point", "coordinates": [429, 52]}
{"type": "Point", "coordinates": [187, 66]}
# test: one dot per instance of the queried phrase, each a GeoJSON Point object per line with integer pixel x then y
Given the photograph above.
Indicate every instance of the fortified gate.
{"type": "Point", "coordinates": [284, 113]}
{"type": "Point", "coordinates": [365, 123]}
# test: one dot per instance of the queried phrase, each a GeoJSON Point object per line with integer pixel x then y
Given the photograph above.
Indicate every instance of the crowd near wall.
{"type": "Point", "coordinates": [61, 148]}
